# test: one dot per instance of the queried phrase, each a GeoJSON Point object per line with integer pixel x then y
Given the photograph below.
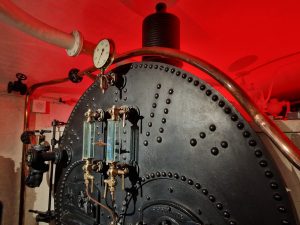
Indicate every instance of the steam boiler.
{"type": "Point", "coordinates": [151, 143]}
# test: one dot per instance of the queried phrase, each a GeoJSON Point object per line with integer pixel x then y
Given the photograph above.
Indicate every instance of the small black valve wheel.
{"type": "Point", "coordinates": [18, 86]}
{"type": "Point", "coordinates": [73, 76]}
{"type": "Point", "coordinates": [21, 76]}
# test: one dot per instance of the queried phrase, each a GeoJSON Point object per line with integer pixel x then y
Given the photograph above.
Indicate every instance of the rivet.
{"type": "Point", "coordinates": [224, 144]}
{"type": "Point", "coordinates": [152, 114]}
{"type": "Point", "coordinates": [219, 206]}
{"type": "Point", "coordinates": [190, 182]}
{"type": "Point", "coordinates": [125, 98]}
{"type": "Point", "coordinates": [156, 95]}
{"type": "Point", "coordinates": [163, 174]}
{"type": "Point", "coordinates": [232, 222]}
{"type": "Point", "coordinates": [190, 79]}
{"type": "Point", "coordinates": [193, 142]}
{"type": "Point", "coordinates": [158, 174]}
{"type": "Point", "coordinates": [124, 203]}
{"type": "Point", "coordinates": [143, 179]}
{"type": "Point", "coordinates": [183, 178]}
{"type": "Point", "coordinates": [158, 86]}
{"type": "Point", "coordinates": [145, 143]}
{"type": "Point", "coordinates": [145, 66]}
{"type": "Point", "coordinates": [208, 92]}
{"type": "Point", "coordinates": [221, 103]}
{"type": "Point", "coordinates": [116, 100]}
{"type": "Point", "coordinates": [154, 105]}
{"type": "Point", "coordinates": [136, 66]}
{"type": "Point", "coordinates": [246, 134]}
{"type": "Point", "coordinates": [196, 83]}
{"type": "Point", "coordinates": [163, 120]}
{"type": "Point", "coordinates": [226, 214]}
{"type": "Point", "coordinates": [170, 174]}
{"type": "Point", "coordinates": [269, 174]}
{"type": "Point", "coordinates": [281, 209]}
{"type": "Point", "coordinates": [202, 135]}
{"type": "Point", "coordinates": [161, 130]}
{"type": "Point", "coordinates": [156, 66]}
{"type": "Point", "coordinates": [167, 69]}
{"type": "Point", "coordinates": [258, 153]}
{"type": "Point", "coordinates": [240, 125]}
{"type": "Point", "coordinates": [227, 110]}
{"type": "Point", "coordinates": [212, 127]}
{"type": "Point", "coordinates": [151, 66]}
{"type": "Point", "coordinates": [202, 87]}
{"type": "Point", "coordinates": [184, 76]}
{"type": "Point", "coordinates": [178, 73]}
{"type": "Point", "coordinates": [152, 175]}
{"type": "Point", "coordinates": [274, 185]}
{"type": "Point", "coordinates": [147, 133]}
{"type": "Point", "coordinates": [131, 66]}
{"type": "Point", "coordinates": [214, 151]}
{"type": "Point", "coordinates": [148, 198]}
{"type": "Point", "coordinates": [211, 198]}
{"type": "Point", "coordinates": [277, 197]}
{"type": "Point", "coordinates": [172, 70]}
{"type": "Point", "coordinates": [168, 101]}
{"type": "Point", "coordinates": [252, 143]}
{"type": "Point", "coordinates": [263, 163]}
{"type": "Point", "coordinates": [159, 139]}
{"type": "Point", "coordinates": [166, 111]}
{"type": "Point", "coordinates": [285, 222]}
{"type": "Point", "coordinates": [176, 175]}
{"type": "Point", "coordinates": [197, 185]}
{"type": "Point", "coordinates": [234, 117]}
{"type": "Point", "coordinates": [161, 67]}
{"type": "Point", "coordinates": [205, 191]}
{"type": "Point", "coordinates": [171, 91]}
{"type": "Point", "coordinates": [149, 124]}
{"type": "Point", "coordinates": [170, 190]}
{"type": "Point", "coordinates": [215, 98]}
{"type": "Point", "coordinates": [141, 65]}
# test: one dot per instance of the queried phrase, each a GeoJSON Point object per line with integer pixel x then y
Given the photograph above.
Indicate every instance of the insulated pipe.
{"type": "Point", "coordinates": [16, 17]}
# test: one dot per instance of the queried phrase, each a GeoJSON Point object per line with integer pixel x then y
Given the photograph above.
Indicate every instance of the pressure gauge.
{"type": "Point", "coordinates": [104, 53]}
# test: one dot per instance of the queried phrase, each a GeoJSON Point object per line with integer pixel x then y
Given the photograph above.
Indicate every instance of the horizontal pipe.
{"type": "Point", "coordinates": [16, 17]}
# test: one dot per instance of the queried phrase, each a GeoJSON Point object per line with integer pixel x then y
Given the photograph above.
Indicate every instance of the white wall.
{"type": "Point", "coordinates": [11, 127]}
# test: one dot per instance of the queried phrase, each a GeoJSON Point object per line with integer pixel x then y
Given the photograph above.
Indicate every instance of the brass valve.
{"type": "Point", "coordinates": [88, 177]}
{"type": "Point", "coordinates": [111, 181]}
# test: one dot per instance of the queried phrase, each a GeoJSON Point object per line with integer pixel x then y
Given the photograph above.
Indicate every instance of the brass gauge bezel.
{"type": "Point", "coordinates": [104, 53]}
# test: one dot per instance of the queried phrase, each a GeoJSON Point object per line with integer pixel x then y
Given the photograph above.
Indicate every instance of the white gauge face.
{"type": "Point", "coordinates": [102, 53]}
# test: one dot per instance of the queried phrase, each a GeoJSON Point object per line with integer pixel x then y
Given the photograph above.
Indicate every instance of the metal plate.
{"type": "Point", "coordinates": [199, 162]}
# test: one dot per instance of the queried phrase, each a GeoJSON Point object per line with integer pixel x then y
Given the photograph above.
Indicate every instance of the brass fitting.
{"type": "Point", "coordinates": [111, 181]}
{"type": "Point", "coordinates": [88, 177]}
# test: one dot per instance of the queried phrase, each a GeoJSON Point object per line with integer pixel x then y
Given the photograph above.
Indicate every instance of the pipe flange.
{"type": "Point", "coordinates": [78, 43]}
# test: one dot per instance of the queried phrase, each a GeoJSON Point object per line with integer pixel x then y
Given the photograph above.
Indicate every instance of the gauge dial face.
{"type": "Point", "coordinates": [103, 53]}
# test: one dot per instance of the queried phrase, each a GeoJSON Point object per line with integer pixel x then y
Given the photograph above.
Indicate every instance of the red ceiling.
{"type": "Point", "coordinates": [256, 42]}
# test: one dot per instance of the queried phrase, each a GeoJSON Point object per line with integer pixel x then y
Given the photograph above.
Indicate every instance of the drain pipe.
{"type": "Point", "coordinates": [16, 17]}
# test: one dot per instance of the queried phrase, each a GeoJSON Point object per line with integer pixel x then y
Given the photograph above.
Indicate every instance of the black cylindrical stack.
{"type": "Point", "coordinates": [161, 29]}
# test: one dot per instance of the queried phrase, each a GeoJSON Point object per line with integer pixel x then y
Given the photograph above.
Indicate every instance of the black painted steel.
{"type": "Point", "coordinates": [199, 162]}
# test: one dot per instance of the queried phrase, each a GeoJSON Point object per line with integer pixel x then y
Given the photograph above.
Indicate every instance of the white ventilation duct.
{"type": "Point", "coordinates": [16, 17]}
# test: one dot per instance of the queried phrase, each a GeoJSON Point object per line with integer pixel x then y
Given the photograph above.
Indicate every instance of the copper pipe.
{"type": "Point", "coordinates": [284, 144]}
{"type": "Point", "coordinates": [113, 215]}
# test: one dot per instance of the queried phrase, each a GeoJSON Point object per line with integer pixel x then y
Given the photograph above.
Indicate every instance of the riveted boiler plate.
{"type": "Point", "coordinates": [198, 160]}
